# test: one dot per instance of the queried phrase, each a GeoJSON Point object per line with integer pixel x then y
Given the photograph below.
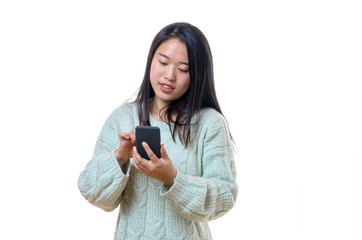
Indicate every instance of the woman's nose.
{"type": "Point", "coordinates": [170, 73]}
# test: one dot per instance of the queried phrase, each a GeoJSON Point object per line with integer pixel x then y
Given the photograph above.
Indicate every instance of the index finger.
{"type": "Point", "coordinates": [132, 135]}
{"type": "Point", "coordinates": [123, 135]}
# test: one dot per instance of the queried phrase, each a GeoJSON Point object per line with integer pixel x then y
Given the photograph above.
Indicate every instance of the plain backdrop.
{"type": "Point", "coordinates": [287, 75]}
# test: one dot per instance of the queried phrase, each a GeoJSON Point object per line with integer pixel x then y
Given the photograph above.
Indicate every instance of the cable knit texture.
{"type": "Point", "coordinates": [204, 188]}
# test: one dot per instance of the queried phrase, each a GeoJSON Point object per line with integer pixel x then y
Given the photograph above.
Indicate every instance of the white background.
{"type": "Point", "coordinates": [288, 78]}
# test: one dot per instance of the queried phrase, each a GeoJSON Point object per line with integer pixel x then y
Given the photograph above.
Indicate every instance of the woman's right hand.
{"type": "Point", "coordinates": [124, 150]}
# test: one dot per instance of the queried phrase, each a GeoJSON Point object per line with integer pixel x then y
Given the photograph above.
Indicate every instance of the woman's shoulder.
{"type": "Point", "coordinates": [124, 111]}
{"type": "Point", "coordinates": [210, 120]}
{"type": "Point", "coordinates": [212, 125]}
{"type": "Point", "coordinates": [209, 116]}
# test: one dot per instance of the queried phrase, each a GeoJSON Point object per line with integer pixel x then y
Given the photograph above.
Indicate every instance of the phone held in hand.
{"type": "Point", "coordinates": [150, 135]}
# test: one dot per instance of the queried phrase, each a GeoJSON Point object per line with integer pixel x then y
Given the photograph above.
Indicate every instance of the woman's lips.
{"type": "Point", "coordinates": [166, 88]}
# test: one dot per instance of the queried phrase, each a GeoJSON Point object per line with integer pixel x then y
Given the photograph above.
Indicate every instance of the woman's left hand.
{"type": "Point", "coordinates": [159, 168]}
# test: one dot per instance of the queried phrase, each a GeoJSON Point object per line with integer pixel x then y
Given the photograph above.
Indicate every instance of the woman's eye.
{"type": "Point", "coordinates": [162, 63]}
{"type": "Point", "coordinates": [184, 71]}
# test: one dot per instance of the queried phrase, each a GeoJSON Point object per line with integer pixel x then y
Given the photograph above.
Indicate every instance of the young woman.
{"type": "Point", "coordinates": [193, 182]}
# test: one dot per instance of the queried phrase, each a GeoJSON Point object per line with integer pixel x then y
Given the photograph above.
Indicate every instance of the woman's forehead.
{"type": "Point", "coordinates": [173, 49]}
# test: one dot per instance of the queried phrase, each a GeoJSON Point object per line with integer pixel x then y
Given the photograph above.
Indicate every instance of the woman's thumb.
{"type": "Point", "coordinates": [163, 152]}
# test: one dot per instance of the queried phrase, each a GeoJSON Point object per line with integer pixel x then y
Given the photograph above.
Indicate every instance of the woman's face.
{"type": "Point", "coordinates": [169, 74]}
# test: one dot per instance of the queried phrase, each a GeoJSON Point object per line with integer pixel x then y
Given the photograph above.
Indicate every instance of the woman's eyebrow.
{"type": "Point", "coordinates": [165, 56]}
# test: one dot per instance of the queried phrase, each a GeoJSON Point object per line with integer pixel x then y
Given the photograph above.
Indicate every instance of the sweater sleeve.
{"type": "Point", "coordinates": [103, 181]}
{"type": "Point", "coordinates": [213, 193]}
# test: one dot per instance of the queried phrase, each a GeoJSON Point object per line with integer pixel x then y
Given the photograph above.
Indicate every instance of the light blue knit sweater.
{"type": "Point", "coordinates": [204, 188]}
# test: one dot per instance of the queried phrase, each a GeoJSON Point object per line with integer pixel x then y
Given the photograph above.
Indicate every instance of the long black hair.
{"type": "Point", "coordinates": [201, 92]}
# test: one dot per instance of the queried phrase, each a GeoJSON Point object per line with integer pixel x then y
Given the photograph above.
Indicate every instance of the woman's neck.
{"type": "Point", "coordinates": [158, 109]}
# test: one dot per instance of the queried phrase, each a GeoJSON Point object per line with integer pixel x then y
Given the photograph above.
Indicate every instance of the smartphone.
{"type": "Point", "coordinates": [150, 135]}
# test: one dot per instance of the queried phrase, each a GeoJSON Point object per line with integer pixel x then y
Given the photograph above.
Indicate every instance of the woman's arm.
{"type": "Point", "coordinates": [211, 195]}
{"type": "Point", "coordinates": [103, 180]}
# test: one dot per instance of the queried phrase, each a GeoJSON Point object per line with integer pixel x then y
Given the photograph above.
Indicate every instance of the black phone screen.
{"type": "Point", "coordinates": [150, 135]}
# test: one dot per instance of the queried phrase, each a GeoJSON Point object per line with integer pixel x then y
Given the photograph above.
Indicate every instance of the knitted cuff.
{"type": "Point", "coordinates": [126, 167]}
{"type": "Point", "coordinates": [184, 190]}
